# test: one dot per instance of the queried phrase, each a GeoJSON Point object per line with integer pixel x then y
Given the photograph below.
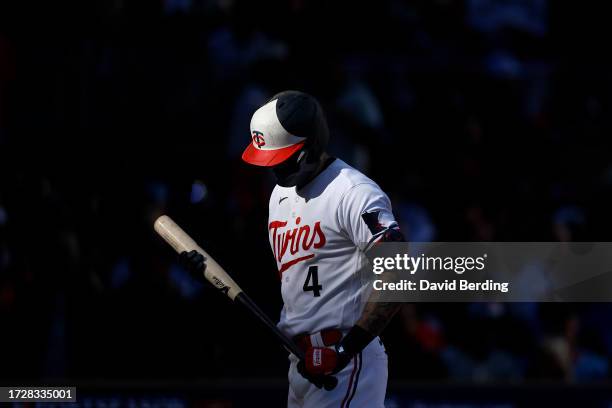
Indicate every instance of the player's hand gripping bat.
{"type": "Point", "coordinates": [214, 273]}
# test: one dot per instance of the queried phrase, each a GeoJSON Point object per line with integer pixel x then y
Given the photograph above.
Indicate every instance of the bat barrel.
{"type": "Point", "coordinates": [181, 241]}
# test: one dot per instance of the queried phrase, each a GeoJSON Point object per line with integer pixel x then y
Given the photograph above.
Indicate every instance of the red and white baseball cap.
{"type": "Point", "coordinates": [271, 143]}
{"type": "Point", "coordinates": [282, 126]}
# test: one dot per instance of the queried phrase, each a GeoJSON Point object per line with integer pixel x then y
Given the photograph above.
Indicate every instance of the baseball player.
{"type": "Point", "coordinates": [323, 215]}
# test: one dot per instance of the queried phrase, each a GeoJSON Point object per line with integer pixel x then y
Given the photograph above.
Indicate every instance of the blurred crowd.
{"type": "Point", "coordinates": [483, 120]}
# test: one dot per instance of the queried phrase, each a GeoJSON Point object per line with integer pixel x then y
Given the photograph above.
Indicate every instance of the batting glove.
{"type": "Point", "coordinates": [318, 380]}
{"type": "Point", "coordinates": [328, 361]}
{"type": "Point", "coordinates": [194, 262]}
{"type": "Point", "coordinates": [324, 361]}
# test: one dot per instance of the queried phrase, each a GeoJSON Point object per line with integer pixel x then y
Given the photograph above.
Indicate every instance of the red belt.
{"type": "Point", "coordinates": [323, 338]}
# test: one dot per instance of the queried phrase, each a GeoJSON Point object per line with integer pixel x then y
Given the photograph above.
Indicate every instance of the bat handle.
{"type": "Point", "coordinates": [330, 382]}
{"type": "Point", "coordinates": [246, 301]}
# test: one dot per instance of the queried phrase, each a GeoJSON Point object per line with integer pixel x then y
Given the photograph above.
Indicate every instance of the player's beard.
{"type": "Point", "coordinates": [298, 169]}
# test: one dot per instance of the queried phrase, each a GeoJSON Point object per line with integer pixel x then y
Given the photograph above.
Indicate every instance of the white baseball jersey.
{"type": "Point", "coordinates": [318, 235]}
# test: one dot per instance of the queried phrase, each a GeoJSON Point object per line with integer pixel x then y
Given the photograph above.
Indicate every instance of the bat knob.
{"type": "Point", "coordinates": [330, 383]}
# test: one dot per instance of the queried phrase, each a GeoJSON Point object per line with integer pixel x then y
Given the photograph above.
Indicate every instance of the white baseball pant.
{"type": "Point", "coordinates": [361, 384]}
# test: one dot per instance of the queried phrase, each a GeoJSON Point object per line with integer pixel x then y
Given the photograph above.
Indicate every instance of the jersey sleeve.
{"type": "Point", "coordinates": [365, 216]}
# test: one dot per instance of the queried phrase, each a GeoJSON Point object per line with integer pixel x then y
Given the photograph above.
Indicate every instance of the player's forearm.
{"type": "Point", "coordinates": [377, 313]}
{"type": "Point", "coordinates": [373, 320]}
{"type": "Point", "coordinates": [376, 316]}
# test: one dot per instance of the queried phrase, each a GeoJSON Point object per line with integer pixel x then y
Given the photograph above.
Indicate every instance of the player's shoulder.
{"type": "Point", "coordinates": [359, 191]}
{"type": "Point", "coordinates": [352, 179]}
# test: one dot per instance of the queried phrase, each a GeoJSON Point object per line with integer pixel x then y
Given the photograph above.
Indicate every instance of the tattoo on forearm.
{"type": "Point", "coordinates": [375, 316]}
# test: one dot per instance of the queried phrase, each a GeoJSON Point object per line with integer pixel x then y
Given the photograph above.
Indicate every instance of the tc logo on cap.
{"type": "Point", "coordinates": [258, 138]}
{"type": "Point", "coordinates": [271, 143]}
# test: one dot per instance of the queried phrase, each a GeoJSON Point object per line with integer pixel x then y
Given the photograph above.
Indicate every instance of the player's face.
{"type": "Point", "coordinates": [288, 173]}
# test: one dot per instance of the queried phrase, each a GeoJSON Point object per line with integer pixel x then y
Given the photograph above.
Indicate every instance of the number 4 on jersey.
{"type": "Point", "coordinates": [313, 276]}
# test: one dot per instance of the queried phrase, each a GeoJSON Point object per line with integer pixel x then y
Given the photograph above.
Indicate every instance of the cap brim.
{"type": "Point", "coordinates": [269, 158]}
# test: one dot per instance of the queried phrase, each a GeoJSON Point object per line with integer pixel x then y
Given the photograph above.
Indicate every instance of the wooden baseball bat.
{"type": "Point", "coordinates": [216, 275]}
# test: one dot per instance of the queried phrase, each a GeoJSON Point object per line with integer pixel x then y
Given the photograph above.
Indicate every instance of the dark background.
{"type": "Point", "coordinates": [482, 120]}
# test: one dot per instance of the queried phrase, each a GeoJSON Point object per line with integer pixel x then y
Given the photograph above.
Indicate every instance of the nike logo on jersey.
{"type": "Point", "coordinates": [282, 199]}
{"type": "Point", "coordinates": [289, 241]}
